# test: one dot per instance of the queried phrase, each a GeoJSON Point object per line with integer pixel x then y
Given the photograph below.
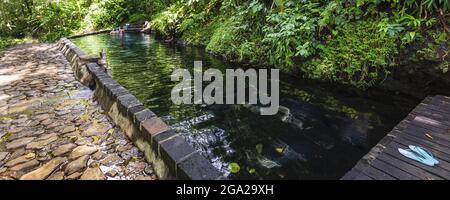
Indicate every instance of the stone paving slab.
{"type": "Point", "coordinates": [50, 126]}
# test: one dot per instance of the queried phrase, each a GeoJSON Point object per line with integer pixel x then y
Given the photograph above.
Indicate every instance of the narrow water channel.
{"type": "Point", "coordinates": [327, 130]}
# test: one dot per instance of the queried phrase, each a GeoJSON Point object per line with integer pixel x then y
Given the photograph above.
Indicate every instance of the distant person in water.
{"type": "Point", "coordinates": [146, 27]}
{"type": "Point", "coordinates": [117, 31]}
{"type": "Point", "coordinates": [145, 24]}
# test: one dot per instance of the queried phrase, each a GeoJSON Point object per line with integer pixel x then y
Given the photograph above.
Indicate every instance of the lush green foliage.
{"type": "Point", "coordinates": [50, 20]}
{"type": "Point", "coordinates": [355, 42]}
{"type": "Point", "coordinates": [351, 41]}
{"type": "Point", "coordinates": [357, 54]}
{"type": "Point", "coordinates": [292, 32]}
{"type": "Point", "coordinates": [112, 13]}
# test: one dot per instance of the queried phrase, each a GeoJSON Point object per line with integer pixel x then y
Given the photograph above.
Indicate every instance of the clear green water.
{"type": "Point", "coordinates": [328, 130]}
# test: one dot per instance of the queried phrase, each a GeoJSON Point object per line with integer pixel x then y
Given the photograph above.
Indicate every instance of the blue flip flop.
{"type": "Point", "coordinates": [424, 152]}
{"type": "Point", "coordinates": [419, 154]}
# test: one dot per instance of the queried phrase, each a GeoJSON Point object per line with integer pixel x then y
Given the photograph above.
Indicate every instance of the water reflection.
{"type": "Point", "coordinates": [319, 133]}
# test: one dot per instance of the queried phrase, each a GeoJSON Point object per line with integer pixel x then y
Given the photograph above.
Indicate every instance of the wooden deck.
{"type": "Point", "coordinates": [428, 126]}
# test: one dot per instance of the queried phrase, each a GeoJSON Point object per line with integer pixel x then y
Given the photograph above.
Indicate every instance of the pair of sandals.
{"type": "Point", "coordinates": [419, 154]}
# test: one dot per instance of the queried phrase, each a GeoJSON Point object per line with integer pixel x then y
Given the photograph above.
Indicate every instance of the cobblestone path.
{"type": "Point", "coordinates": [50, 127]}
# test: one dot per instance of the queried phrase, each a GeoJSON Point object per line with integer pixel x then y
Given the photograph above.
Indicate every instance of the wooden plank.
{"type": "Point", "coordinates": [406, 166]}
{"type": "Point", "coordinates": [422, 120]}
{"type": "Point", "coordinates": [417, 121]}
{"type": "Point", "coordinates": [393, 170]}
{"type": "Point", "coordinates": [377, 174]}
{"type": "Point", "coordinates": [442, 119]}
{"type": "Point", "coordinates": [357, 169]}
{"type": "Point", "coordinates": [432, 144]}
{"type": "Point", "coordinates": [421, 135]}
{"type": "Point", "coordinates": [418, 131]}
{"type": "Point", "coordinates": [436, 108]}
{"type": "Point", "coordinates": [362, 176]}
{"type": "Point", "coordinates": [441, 128]}
{"type": "Point", "coordinates": [441, 100]}
{"type": "Point", "coordinates": [418, 167]}
{"type": "Point", "coordinates": [352, 174]}
{"type": "Point", "coordinates": [442, 109]}
{"type": "Point", "coordinates": [444, 99]}
{"type": "Point", "coordinates": [439, 103]}
{"type": "Point", "coordinates": [435, 134]}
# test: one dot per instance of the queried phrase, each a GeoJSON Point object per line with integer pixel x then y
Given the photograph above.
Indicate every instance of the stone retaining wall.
{"type": "Point", "coordinates": [172, 156]}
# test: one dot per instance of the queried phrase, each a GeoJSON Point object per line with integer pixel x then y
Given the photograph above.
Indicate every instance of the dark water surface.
{"type": "Point", "coordinates": [327, 130]}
